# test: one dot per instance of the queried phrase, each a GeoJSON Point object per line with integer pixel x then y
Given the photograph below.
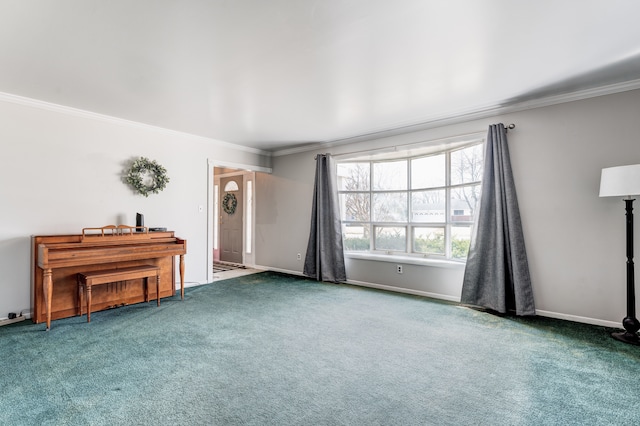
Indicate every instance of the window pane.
{"type": "Point", "coordinates": [353, 176]}
{"type": "Point", "coordinates": [428, 240]}
{"type": "Point", "coordinates": [464, 201]}
{"type": "Point", "coordinates": [390, 175]}
{"type": "Point", "coordinates": [249, 217]}
{"type": "Point", "coordinates": [466, 165]}
{"type": "Point", "coordinates": [390, 207]}
{"type": "Point", "coordinates": [460, 241]}
{"type": "Point", "coordinates": [391, 238]}
{"type": "Point", "coordinates": [428, 206]}
{"type": "Point", "coordinates": [216, 195]}
{"type": "Point", "coordinates": [355, 207]}
{"type": "Point", "coordinates": [428, 172]}
{"type": "Point", "coordinates": [355, 237]}
{"type": "Point", "coordinates": [231, 186]}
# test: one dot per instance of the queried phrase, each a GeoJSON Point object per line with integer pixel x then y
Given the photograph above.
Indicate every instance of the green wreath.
{"type": "Point", "coordinates": [143, 167]}
{"type": "Point", "coordinates": [229, 203]}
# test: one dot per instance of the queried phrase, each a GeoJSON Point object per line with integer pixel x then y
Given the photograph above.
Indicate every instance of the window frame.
{"type": "Point", "coordinates": [410, 226]}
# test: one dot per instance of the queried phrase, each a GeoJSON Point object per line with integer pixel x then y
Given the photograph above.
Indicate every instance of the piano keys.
{"type": "Point", "coordinates": [57, 259]}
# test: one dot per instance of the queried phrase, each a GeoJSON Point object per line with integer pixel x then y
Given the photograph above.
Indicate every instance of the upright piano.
{"type": "Point", "coordinates": [57, 259]}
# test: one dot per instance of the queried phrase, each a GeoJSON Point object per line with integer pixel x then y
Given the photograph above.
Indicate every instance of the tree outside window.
{"type": "Point", "coordinates": [421, 205]}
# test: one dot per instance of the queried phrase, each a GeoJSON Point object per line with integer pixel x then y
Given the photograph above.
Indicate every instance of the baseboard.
{"type": "Point", "coordinates": [539, 312]}
{"type": "Point", "coordinates": [282, 271]}
{"type": "Point", "coordinates": [373, 285]}
{"type": "Point", "coordinates": [21, 317]}
{"type": "Point", "coordinates": [405, 290]}
{"type": "Point", "coordinates": [542, 313]}
{"type": "Point", "coordinates": [577, 318]}
{"type": "Point", "coordinates": [191, 284]}
{"type": "Point", "coordinates": [253, 266]}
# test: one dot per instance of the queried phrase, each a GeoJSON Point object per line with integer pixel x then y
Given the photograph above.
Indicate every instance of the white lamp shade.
{"type": "Point", "coordinates": [620, 181]}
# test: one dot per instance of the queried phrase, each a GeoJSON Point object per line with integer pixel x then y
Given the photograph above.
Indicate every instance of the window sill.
{"type": "Point", "coordinates": [406, 260]}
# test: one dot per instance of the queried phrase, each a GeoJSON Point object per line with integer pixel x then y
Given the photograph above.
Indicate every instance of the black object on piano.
{"type": "Point", "coordinates": [139, 221]}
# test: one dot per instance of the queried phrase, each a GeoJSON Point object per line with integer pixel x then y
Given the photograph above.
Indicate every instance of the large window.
{"type": "Point", "coordinates": [421, 205]}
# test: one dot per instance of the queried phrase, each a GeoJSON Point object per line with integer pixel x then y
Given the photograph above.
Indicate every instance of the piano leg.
{"type": "Point", "coordinates": [182, 276]}
{"type": "Point", "coordinates": [88, 291]}
{"type": "Point", "coordinates": [47, 286]}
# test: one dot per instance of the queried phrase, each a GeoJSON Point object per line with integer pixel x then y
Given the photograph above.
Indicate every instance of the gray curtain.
{"type": "Point", "coordinates": [497, 272]}
{"type": "Point", "coordinates": [324, 260]}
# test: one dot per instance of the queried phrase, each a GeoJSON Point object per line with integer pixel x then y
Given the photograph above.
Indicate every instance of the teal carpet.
{"type": "Point", "coordinates": [271, 349]}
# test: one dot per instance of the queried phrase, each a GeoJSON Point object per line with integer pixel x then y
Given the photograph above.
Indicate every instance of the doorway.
{"type": "Point", "coordinates": [232, 216]}
{"type": "Point", "coordinates": [242, 246]}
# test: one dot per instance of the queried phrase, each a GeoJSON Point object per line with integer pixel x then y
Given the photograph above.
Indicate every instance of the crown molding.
{"type": "Point", "coordinates": [469, 115]}
{"type": "Point", "coordinates": [434, 122]}
{"type": "Point", "coordinates": [246, 167]}
{"type": "Point", "coordinates": [76, 112]}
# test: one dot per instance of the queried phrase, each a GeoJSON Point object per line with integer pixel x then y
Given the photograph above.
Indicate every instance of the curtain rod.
{"type": "Point", "coordinates": [395, 148]}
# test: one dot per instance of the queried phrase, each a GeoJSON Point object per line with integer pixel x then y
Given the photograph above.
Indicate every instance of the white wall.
{"type": "Point", "coordinates": [575, 240]}
{"type": "Point", "coordinates": [61, 172]}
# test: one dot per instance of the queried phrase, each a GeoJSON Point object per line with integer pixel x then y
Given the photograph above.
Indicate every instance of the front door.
{"type": "Point", "coordinates": [231, 216]}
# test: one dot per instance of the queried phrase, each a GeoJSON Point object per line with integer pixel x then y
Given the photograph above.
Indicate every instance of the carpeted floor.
{"type": "Point", "coordinates": [271, 349]}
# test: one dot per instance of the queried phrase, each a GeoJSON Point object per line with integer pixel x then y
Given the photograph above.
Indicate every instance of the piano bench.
{"type": "Point", "coordinates": [88, 279]}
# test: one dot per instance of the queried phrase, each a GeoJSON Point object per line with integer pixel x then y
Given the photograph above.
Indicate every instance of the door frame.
{"type": "Point", "coordinates": [243, 169]}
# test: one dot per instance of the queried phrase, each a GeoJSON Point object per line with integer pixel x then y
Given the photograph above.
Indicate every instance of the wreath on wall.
{"type": "Point", "coordinates": [229, 203]}
{"type": "Point", "coordinates": [147, 176]}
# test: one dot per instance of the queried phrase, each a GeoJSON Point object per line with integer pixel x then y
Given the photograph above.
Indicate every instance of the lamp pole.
{"type": "Point", "coordinates": [630, 322]}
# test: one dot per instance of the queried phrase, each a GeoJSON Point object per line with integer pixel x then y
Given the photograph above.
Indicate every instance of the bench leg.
{"type": "Point", "coordinates": [79, 304]}
{"type": "Point", "coordinates": [158, 288]}
{"type": "Point", "coordinates": [88, 291]}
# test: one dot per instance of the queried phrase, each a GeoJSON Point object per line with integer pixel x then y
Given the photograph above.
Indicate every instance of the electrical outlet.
{"type": "Point", "coordinates": [299, 256]}
{"type": "Point", "coordinates": [399, 269]}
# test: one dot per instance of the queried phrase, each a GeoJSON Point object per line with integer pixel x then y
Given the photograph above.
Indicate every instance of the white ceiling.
{"type": "Point", "coordinates": [272, 74]}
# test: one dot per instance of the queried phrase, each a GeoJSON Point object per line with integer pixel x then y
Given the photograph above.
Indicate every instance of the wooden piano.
{"type": "Point", "coordinates": [57, 259]}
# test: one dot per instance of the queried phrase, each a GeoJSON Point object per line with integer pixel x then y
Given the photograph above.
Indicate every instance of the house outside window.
{"type": "Point", "coordinates": [420, 205]}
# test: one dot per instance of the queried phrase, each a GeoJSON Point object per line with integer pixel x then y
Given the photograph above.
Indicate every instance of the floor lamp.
{"type": "Point", "coordinates": [624, 181]}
